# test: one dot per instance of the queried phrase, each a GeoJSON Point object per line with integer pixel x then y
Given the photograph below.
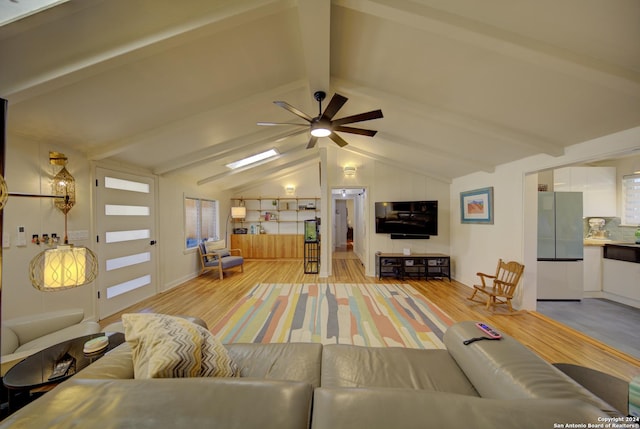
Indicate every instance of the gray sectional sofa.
{"type": "Point", "coordinates": [486, 384]}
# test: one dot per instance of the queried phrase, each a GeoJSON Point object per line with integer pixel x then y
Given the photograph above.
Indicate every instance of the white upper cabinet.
{"type": "Point", "coordinates": [597, 184]}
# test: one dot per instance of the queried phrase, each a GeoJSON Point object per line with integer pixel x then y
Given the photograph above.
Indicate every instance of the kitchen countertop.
{"type": "Point", "coordinates": [598, 241]}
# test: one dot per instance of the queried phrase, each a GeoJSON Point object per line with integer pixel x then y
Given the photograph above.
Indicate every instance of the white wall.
{"type": "Point", "coordinates": [387, 183]}
{"type": "Point", "coordinates": [177, 264]}
{"type": "Point", "coordinates": [513, 235]}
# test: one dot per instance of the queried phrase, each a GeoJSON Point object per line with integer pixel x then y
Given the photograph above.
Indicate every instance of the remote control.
{"type": "Point", "coordinates": [488, 330]}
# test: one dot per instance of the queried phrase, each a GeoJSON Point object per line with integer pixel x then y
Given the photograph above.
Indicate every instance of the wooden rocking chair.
{"type": "Point", "coordinates": [499, 288]}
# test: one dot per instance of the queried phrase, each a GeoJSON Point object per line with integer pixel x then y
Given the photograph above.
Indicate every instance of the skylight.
{"type": "Point", "coordinates": [13, 10]}
{"type": "Point", "coordinates": [252, 159]}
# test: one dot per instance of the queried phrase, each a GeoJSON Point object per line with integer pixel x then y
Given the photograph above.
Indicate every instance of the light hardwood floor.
{"type": "Point", "coordinates": [209, 298]}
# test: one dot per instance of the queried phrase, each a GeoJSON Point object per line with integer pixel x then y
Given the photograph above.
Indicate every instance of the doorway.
{"type": "Point", "coordinates": [349, 221]}
{"type": "Point", "coordinates": [125, 220]}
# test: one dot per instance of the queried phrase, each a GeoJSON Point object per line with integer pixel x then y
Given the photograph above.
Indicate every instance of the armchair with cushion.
{"type": "Point", "coordinates": [215, 256]}
{"type": "Point", "coordinates": [24, 336]}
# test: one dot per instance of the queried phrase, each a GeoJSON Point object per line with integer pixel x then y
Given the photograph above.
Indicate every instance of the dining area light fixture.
{"type": "Point", "coordinates": [289, 189]}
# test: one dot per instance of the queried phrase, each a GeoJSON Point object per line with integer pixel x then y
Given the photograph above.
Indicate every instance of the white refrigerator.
{"type": "Point", "coordinates": [560, 246]}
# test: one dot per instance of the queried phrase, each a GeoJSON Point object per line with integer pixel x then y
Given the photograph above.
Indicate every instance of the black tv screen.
{"type": "Point", "coordinates": [416, 218]}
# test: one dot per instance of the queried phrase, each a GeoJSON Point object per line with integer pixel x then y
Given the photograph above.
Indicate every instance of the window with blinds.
{"type": "Point", "coordinates": [631, 199]}
{"type": "Point", "coordinates": [201, 221]}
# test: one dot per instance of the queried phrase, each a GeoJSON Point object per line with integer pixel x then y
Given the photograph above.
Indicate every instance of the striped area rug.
{"type": "Point", "coordinates": [377, 315]}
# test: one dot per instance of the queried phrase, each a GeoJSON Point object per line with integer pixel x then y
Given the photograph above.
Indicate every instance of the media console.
{"type": "Point", "coordinates": [418, 265]}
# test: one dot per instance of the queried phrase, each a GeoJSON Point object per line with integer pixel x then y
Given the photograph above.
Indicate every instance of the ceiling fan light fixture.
{"type": "Point", "coordinates": [320, 130]}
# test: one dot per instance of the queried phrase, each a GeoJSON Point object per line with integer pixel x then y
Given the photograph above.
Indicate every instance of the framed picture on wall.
{"type": "Point", "coordinates": [477, 206]}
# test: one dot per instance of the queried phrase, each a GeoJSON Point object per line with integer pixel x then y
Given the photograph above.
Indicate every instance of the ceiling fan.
{"type": "Point", "coordinates": [324, 125]}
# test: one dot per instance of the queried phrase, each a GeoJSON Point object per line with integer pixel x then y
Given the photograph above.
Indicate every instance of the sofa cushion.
{"type": "Point", "coordinates": [217, 247]}
{"type": "Point", "coordinates": [169, 403]}
{"type": "Point", "coordinates": [371, 408]}
{"type": "Point", "coordinates": [169, 346]}
{"type": "Point", "coordinates": [506, 369]}
{"type": "Point", "coordinates": [279, 361]}
{"type": "Point", "coordinates": [356, 366]}
{"type": "Point", "coordinates": [282, 361]}
{"type": "Point", "coordinates": [231, 261]}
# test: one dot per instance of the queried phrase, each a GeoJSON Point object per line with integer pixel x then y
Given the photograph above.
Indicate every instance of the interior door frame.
{"type": "Point", "coordinates": [358, 219]}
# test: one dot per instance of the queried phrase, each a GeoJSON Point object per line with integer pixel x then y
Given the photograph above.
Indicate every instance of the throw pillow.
{"type": "Point", "coordinates": [217, 247]}
{"type": "Point", "coordinates": [167, 346]}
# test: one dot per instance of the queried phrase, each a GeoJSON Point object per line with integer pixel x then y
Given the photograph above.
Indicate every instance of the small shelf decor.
{"type": "Point", "coordinates": [477, 206]}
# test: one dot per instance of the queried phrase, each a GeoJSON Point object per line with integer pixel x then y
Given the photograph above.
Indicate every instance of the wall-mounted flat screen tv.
{"type": "Point", "coordinates": [411, 218]}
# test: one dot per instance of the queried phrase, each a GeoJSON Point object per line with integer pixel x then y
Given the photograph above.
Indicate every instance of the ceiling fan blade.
{"type": "Point", "coordinates": [361, 131]}
{"type": "Point", "coordinates": [336, 103]}
{"type": "Point", "coordinates": [339, 140]}
{"type": "Point", "coordinates": [374, 114]}
{"type": "Point", "coordinates": [293, 110]}
{"type": "Point", "coordinates": [312, 142]}
{"type": "Point", "coordinates": [269, 124]}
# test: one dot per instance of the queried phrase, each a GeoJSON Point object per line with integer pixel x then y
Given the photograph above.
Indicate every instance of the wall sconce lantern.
{"type": "Point", "coordinates": [349, 170]}
{"type": "Point", "coordinates": [290, 189]}
{"type": "Point", "coordinates": [64, 185]}
{"type": "Point", "coordinates": [65, 266]}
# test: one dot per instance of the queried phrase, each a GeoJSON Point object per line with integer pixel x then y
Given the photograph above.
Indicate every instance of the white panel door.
{"type": "Point", "coordinates": [125, 224]}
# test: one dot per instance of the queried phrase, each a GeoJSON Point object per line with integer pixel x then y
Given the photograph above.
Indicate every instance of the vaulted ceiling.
{"type": "Point", "coordinates": [177, 87]}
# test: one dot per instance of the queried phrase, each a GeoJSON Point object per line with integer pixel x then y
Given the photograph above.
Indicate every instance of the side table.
{"type": "Point", "coordinates": [30, 377]}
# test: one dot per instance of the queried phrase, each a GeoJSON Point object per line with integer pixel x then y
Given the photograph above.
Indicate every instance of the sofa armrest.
{"type": "Point", "coordinates": [506, 369]}
{"type": "Point", "coordinates": [28, 328]}
{"type": "Point", "coordinates": [9, 361]}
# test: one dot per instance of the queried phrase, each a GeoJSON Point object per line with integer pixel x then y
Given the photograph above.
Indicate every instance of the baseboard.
{"type": "Point", "coordinates": [168, 286]}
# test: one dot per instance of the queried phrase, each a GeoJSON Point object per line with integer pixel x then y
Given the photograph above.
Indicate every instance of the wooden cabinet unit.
{"type": "Point", "coordinates": [269, 246]}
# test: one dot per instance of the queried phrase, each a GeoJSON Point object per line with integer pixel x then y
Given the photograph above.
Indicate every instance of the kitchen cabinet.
{"type": "Point", "coordinates": [597, 184]}
{"type": "Point", "coordinates": [621, 273]}
{"type": "Point", "coordinates": [620, 281]}
{"type": "Point", "coordinates": [592, 268]}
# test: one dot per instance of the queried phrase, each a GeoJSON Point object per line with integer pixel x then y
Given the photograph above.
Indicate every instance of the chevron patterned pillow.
{"type": "Point", "coordinates": [167, 347]}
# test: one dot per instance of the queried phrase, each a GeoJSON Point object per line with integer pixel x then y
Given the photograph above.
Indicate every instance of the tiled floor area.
{"type": "Point", "coordinates": [615, 324]}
